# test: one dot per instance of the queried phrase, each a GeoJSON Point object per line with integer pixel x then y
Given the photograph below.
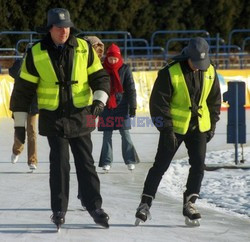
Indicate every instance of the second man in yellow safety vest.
{"type": "Point", "coordinates": [186, 102]}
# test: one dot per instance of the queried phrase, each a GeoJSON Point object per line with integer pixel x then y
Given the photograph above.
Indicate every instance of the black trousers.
{"type": "Point", "coordinates": [196, 144]}
{"type": "Point", "coordinates": [88, 180]}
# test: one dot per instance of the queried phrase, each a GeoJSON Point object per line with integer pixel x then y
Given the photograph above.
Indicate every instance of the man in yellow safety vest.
{"type": "Point", "coordinates": [185, 102]}
{"type": "Point", "coordinates": [64, 71]}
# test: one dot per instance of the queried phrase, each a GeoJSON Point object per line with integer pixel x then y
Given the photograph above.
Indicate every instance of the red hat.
{"type": "Point", "coordinates": [114, 50]}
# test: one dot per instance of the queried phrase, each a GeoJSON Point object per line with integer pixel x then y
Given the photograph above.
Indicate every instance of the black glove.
{"type": "Point", "coordinates": [20, 134]}
{"type": "Point", "coordinates": [97, 107]}
{"type": "Point", "coordinates": [132, 112]}
{"type": "Point", "coordinates": [170, 140]}
{"type": "Point", "coordinates": [210, 133]}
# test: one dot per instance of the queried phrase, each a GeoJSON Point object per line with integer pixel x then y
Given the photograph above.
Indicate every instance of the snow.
{"type": "Point", "coordinates": [226, 190]}
{"type": "Point", "coordinates": [225, 193]}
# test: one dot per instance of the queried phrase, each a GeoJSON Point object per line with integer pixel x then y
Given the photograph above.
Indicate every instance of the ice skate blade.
{"type": "Point", "coordinates": [103, 224]}
{"type": "Point", "coordinates": [192, 223]}
{"type": "Point", "coordinates": [58, 229]}
{"type": "Point", "coordinates": [138, 221]}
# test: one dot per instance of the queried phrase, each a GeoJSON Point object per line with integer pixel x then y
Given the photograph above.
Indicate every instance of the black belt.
{"type": "Point", "coordinates": [67, 83]}
{"type": "Point", "coordinates": [194, 110]}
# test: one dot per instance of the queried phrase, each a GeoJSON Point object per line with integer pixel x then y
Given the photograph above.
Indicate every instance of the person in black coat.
{"type": "Point", "coordinates": [18, 146]}
{"type": "Point", "coordinates": [185, 101]}
{"type": "Point", "coordinates": [98, 46]}
{"type": "Point", "coordinates": [64, 71]}
{"type": "Point", "coordinates": [121, 106]}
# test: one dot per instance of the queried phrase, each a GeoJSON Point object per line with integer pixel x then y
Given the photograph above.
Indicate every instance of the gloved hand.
{"type": "Point", "coordinates": [97, 107]}
{"type": "Point", "coordinates": [20, 134]}
{"type": "Point", "coordinates": [210, 133]}
{"type": "Point", "coordinates": [20, 119]}
{"type": "Point", "coordinates": [132, 112]}
{"type": "Point", "coordinates": [170, 140]}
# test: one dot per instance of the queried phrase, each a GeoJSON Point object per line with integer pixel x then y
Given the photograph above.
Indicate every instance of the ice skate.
{"type": "Point", "coordinates": [191, 214]}
{"type": "Point", "coordinates": [32, 167]}
{"type": "Point", "coordinates": [142, 212]}
{"type": "Point", "coordinates": [58, 218]}
{"type": "Point", "coordinates": [14, 158]}
{"type": "Point", "coordinates": [106, 168]}
{"type": "Point", "coordinates": [100, 217]}
{"type": "Point", "coordinates": [131, 167]}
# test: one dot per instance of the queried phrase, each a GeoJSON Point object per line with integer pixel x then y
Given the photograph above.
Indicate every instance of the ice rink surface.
{"type": "Point", "coordinates": [25, 198]}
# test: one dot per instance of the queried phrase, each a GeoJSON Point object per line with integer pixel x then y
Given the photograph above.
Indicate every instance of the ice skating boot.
{"type": "Point", "coordinates": [58, 218]}
{"type": "Point", "coordinates": [142, 212]}
{"type": "Point", "coordinates": [100, 217]}
{"type": "Point", "coordinates": [32, 167]}
{"type": "Point", "coordinates": [191, 214]}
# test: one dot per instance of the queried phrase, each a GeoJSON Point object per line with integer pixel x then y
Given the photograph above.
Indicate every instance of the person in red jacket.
{"type": "Point", "coordinates": [121, 106]}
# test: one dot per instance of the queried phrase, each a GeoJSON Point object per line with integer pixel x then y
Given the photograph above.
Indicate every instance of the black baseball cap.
{"type": "Point", "coordinates": [197, 50]}
{"type": "Point", "coordinates": [59, 17]}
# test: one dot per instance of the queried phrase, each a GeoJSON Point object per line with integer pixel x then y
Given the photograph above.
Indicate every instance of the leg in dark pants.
{"type": "Point", "coordinates": [88, 180]}
{"type": "Point", "coordinates": [59, 173]}
{"type": "Point", "coordinates": [196, 144]}
{"type": "Point", "coordinates": [162, 161]}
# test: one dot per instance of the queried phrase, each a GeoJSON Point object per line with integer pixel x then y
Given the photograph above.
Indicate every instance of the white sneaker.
{"type": "Point", "coordinates": [106, 168]}
{"type": "Point", "coordinates": [14, 158]}
{"type": "Point", "coordinates": [131, 167]}
{"type": "Point", "coordinates": [32, 166]}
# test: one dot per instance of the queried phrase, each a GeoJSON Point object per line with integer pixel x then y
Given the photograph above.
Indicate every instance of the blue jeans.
{"type": "Point", "coordinates": [129, 153]}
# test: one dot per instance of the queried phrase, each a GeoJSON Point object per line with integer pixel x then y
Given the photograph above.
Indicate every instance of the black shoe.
{"type": "Point", "coordinates": [58, 218]}
{"type": "Point", "coordinates": [100, 217]}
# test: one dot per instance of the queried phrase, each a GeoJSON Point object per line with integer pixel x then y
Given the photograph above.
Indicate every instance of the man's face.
{"type": "Point", "coordinates": [191, 65]}
{"type": "Point", "coordinates": [59, 35]}
{"type": "Point", "coordinates": [99, 50]}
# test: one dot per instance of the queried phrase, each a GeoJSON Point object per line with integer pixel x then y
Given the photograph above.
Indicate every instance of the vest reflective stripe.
{"type": "Point", "coordinates": [96, 65]}
{"type": "Point", "coordinates": [24, 74]}
{"type": "Point", "coordinates": [48, 91]}
{"type": "Point", "coordinates": [181, 103]}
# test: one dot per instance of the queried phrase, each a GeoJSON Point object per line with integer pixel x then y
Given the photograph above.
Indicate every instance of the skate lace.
{"type": "Point", "coordinates": [190, 207]}
{"type": "Point", "coordinates": [144, 209]}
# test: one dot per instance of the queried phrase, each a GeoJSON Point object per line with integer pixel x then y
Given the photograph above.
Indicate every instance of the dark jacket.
{"type": "Point", "coordinates": [119, 116]}
{"type": "Point", "coordinates": [66, 121]}
{"type": "Point", "coordinates": [161, 95]}
{"type": "Point", "coordinates": [14, 72]}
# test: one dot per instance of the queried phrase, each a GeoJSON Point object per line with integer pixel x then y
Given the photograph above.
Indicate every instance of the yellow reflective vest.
{"type": "Point", "coordinates": [181, 102]}
{"type": "Point", "coordinates": [48, 90]}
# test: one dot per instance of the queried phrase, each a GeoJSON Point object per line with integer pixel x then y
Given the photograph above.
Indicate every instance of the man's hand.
{"type": "Point", "coordinates": [132, 112]}
{"type": "Point", "coordinates": [170, 140]}
{"type": "Point", "coordinates": [20, 134]}
{"type": "Point", "coordinates": [97, 107]}
{"type": "Point", "coordinates": [210, 133]}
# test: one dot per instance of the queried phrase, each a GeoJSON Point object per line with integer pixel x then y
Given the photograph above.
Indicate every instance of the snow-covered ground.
{"type": "Point", "coordinates": [226, 189]}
